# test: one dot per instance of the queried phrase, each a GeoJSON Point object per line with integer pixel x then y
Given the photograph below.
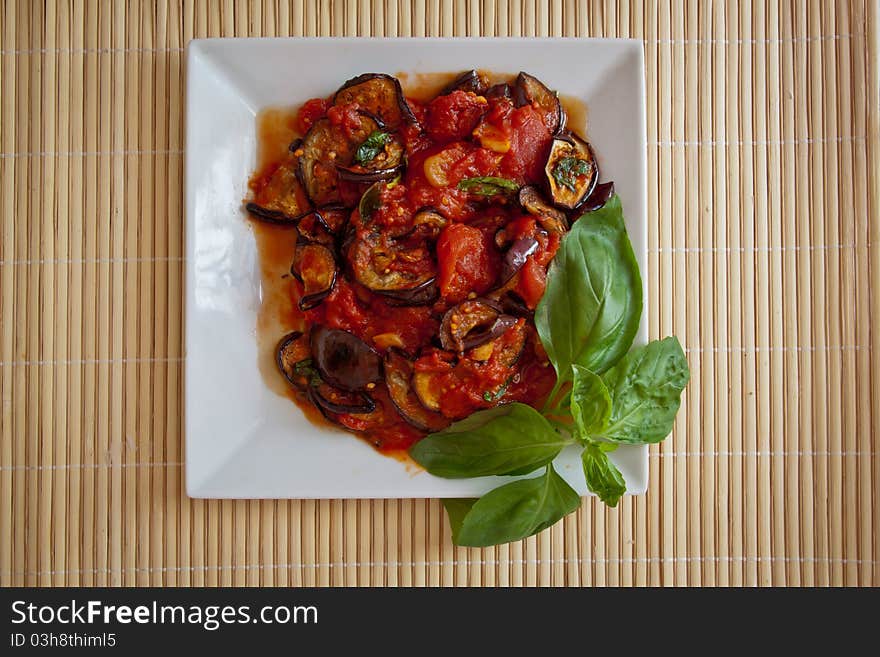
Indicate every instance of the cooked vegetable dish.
{"type": "Point", "coordinates": [467, 291]}
{"type": "Point", "coordinates": [425, 230]}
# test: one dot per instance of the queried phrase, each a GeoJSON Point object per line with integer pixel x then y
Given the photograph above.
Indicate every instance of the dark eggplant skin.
{"type": "Point", "coordinates": [377, 93]}
{"type": "Point", "coordinates": [313, 228]}
{"type": "Point", "coordinates": [599, 197]}
{"type": "Point", "coordinates": [274, 217]}
{"type": "Point", "coordinates": [516, 257]}
{"type": "Point", "coordinates": [513, 304]}
{"type": "Point", "coordinates": [310, 301]}
{"type": "Point", "coordinates": [499, 91]}
{"type": "Point", "coordinates": [467, 81]}
{"type": "Point", "coordinates": [529, 90]}
{"type": "Point", "coordinates": [344, 360]}
{"type": "Point", "coordinates": [569, 145]}
{"type": "Point", "coordinates": [427, 224]}
{"type": "Point", "coordinates": [333, 217]}
{"type": "Point", "coordinates": [282, 201]}
{"type": "Point", "coordinates": [398, 379]}
{"type": "Point", "coordinates": [430, 217]}
{"type": "Point", "coordinates": [295, 144]}
{"type": "Point", "coordinates": [325, 148]}
{"type": "Point", "coordinates": [421, 295]}
{"type": "Point", "coordinates": [352, 175]}
{"type": "Point", "coordinates": [293, 348]}
{"type": "Point", "coordinates": [551, 219]}
{"type": "Point", "coordinates": [357, 404]}
{"type": "Point", "coordinates": [498, 328]}
{"type": "Point", "coordinates": [470, 324]}
{"type": "Point", "coordinates": [316, 285]}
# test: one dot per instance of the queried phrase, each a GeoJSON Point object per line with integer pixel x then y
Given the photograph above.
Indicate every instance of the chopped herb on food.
{"type": "Point", "coordinates": [371, 147]}
{"type": "Point", "coordinates": [488, 186]}
{"type": "Point", "coordinates": [490, 396]}
{"type": "Point", "coordinates": [568, 169]}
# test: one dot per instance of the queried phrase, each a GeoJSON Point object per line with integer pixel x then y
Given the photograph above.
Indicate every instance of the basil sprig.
{"type": "Point", "coordinates": [371, 147]}
{"type": "Point", "coordinates": [606, 394]}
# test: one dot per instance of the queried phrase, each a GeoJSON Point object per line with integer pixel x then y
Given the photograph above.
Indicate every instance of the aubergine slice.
{"type": "Point", "coordinates": [331, 400]}
{"type": "Point", "coordinates": [426, 224]}
{"type": "Point", "coordinates": [398, 378]}
{"type": "Point", "coordinates": [377, 93]}
{"type": "Point", "coordinates": [333, 218]}
{"type": "Point", "coordinates": [499, 91]}
{"type": "Point", "coordinates": [344, 360]}
{"type": "Point", "coordinates": [371, 257]}
{"type": "Point", "coordinates": [571, 171]}
{"type": "Point", "coordinates": [551, 219]}
{"type": "Point", "coordinates": [293, 357]}
{"type": "Point", "coordinates": [516, 257]}
{"type": "Point", "coordinates": [326, 147]}
{"type": "Point", "coordinates": [281, 201]}
{"type": "Point", "coordinates": [312, 228]}
{"type": "Point", "coordinates": [431, 218]}
{"type": "Point", "coordinates": [599, 197]}
{"type": "Point", "coordinates": [379, 157]}
{"type": "Point", "coordinates": [529, 90]}
{"type": "Point", "coordinates": [471, 324]}
{"type": "Point", "coordinates": [314, 265]}
{"type": "Point", "coordinates": [506, 345]}
{"type": "Point", "coordinates": [467, 81]}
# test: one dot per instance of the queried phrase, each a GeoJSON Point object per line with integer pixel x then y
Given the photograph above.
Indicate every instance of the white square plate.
{"type": "Point", "coordinates": [244, 441]}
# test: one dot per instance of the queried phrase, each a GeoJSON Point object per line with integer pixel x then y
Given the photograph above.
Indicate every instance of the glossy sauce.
{"type": "Point", "coordinates": [278, 314]}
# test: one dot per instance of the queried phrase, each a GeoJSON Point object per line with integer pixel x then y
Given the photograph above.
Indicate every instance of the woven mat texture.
{"type": "Point", "coordinates": [763, 259]}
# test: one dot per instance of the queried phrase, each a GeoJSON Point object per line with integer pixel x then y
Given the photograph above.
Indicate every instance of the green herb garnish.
{"type": "Point", "coordinates": [606, 394]}
{"type": "Point", "coordinates": [306, 369]}
{"type": "Point", "coordinates": [490, 396]}
{"type": "Point", "coordinates": [488, 186]}
{"type": "Point", "coordinates": [371, 147]}
{"type": "Point", "coordinates": [568, 169]}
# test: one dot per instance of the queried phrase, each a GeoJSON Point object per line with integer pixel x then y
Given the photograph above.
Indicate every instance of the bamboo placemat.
{"type": "Point", "coordinates": [763, 143]}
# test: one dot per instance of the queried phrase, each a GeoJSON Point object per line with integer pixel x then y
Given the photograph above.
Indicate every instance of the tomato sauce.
{"type": "Point", "coordinates": [454, 138]}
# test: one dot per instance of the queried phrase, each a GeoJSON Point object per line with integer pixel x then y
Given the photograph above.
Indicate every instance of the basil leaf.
{"type": "Point", "coordinates": [590, 310]}
{"type": "Point", "coordinates": [645, 389]}
{"type": "Point", "coordinates": [517, 510]}
{"type": "Point", "coordinates": [488, 185]}
{"type": "Point", "coordinates": [568, 169]}
{"type": "Point", "coordinates": [457, 509]}
{"type": "Point", "coordinates": [507, 439]}
{"type": "Point", "coordinates": [590, 402]}
{"type": "Point", "coordinates": [371, 147]}
{"type": "Point", "coordinates": [603, 477]}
